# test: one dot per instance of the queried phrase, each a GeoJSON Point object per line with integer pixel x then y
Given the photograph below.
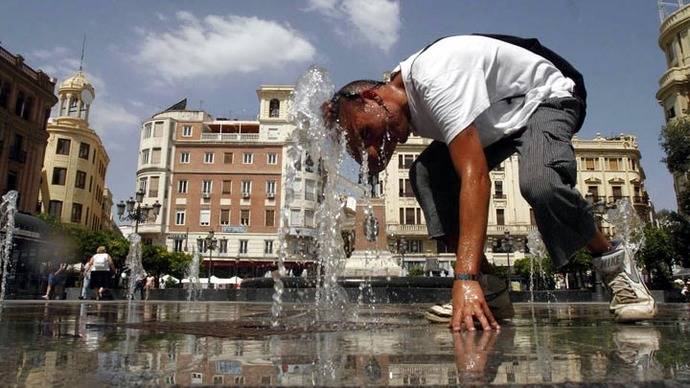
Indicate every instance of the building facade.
{"type": "Point", "coordinates": [674, 84]}
{"type": "Point", "coordinates": [73, 188]}
{"type": "Point", "coordinates": [608, 170]}
{"type": "Point", "coordinates": [26, 97]}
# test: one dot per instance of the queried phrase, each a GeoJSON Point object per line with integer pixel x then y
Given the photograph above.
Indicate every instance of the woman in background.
{"type": "Point", "coordinates": [101, 268]}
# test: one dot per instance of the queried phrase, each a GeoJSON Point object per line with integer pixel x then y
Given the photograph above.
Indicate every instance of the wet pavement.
{"type": "Point", "coordinates": [155, 343]}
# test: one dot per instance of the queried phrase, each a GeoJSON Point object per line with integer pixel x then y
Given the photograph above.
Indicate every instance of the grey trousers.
{"type": "Point", "coordinates": [547, 171]}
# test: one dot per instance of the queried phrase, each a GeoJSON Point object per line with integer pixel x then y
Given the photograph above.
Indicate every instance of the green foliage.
{"type": "Point", "coordinates": [678, 228]}
{"type": "Point", "coordinates": [522, 267]}
{"type": "Point", "coordinates": [657, 256]}
{"type": "Point", "coordinates": [158, 261]}
{"type": "Point", "coordinates": [581, 262]}
{"type": "Point", "coordinates": [675, 140]}
{"type": "Point", "coordinates": [416, 271]}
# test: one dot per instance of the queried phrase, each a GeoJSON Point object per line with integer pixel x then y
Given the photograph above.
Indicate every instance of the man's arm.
{"type": "Point", "coordinates": [469, 162]}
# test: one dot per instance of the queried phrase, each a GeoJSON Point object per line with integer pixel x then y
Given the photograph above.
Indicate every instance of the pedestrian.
{"type": "Point", "coordinates": [101, 269]}
{"type": "Point", "coordinates": [482, 99]}
{"type": "Point", "coordinates": [150, 284]}
{"type": "Point", "coordinates": [54, 279]}
{"type": "Point", "coordinates": [139, 285]}
{"type": "Point", "coordinates": [86, 277]}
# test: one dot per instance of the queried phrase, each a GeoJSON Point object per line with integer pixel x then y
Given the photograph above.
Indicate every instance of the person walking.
{"type": "Point", "coordinates": [482, 99]}
{"type": "Point", "coordinates": [101, 269]}
{"type": "Point", "coordinates": [150, 285]}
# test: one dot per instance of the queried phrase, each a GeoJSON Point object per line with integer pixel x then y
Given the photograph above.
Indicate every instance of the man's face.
{"type": "Point", "coordinates": [372, 128]}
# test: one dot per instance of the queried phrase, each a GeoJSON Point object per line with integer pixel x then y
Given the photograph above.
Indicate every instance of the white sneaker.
{"type": "Point", "coordinates": [631, 300]}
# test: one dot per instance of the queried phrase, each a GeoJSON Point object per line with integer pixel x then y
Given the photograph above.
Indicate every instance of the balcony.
{"type": "Point", "coordinates": [594, 198]}
{"type": "Point", "coordinates": [513, 229]}
{"type": "Point", "coordinates": [615, 198]}
{"type": "Point", "coordinates": [229, 137]}
{"type": "Point", "coordinates": [500, 196]}
{"type": "Point", "coordinates": [414, 230]}
{"type": "Point", "coordinates": [17, 155]}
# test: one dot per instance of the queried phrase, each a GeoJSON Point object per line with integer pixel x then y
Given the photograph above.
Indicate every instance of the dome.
{"type": "Point", "coordinates": [78, 81]}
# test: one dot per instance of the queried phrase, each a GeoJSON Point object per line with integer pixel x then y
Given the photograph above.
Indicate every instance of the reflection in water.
{"type": "Point", "coordinates": [81, 344]}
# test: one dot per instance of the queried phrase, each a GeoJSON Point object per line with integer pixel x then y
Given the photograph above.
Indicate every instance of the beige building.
{"type": "Point", "coordinates": [26, 97]}
{"type": "Point", "coordinates": [608, 170]}
{"type": "Point", "coordinates": [674, 84]}
{"type": "Point", "coordinates": [73, 186]}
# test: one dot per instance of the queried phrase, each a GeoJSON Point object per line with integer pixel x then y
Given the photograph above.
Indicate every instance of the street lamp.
{"type": "Point", "coordinates": [133, 210]}
{"type": "Point", "coordinates": [211, 244]}
{"type": "Point", "coordinates": [507, 247]}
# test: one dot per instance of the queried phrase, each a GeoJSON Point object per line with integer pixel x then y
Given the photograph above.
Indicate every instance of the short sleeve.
{"type": "Point", "coordinates": [454, 99]}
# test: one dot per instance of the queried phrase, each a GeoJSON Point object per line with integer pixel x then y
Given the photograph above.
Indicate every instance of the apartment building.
{"type": "Point", "coordinates": [674, 84]}
{"type": "Point", "coordinates": [608, 170]}
{"type": "Point", "coordinates": [26, 97]}
{"type": "Point", "coordinates": [73, 188]}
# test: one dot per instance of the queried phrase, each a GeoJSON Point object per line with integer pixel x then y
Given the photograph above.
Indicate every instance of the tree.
{"type": "Point", "coordinates": [678, 227]}
{"type": "Point", "coordinates": [657, 256]}
{"type": "Point", "coordinates": [416, 271]}
{"type": "Point", "coordinates": [158, 261]}
{"type": "Point", "coordinates": [543, 274]}
{"type": "Point", "coordinates": [675, 140]}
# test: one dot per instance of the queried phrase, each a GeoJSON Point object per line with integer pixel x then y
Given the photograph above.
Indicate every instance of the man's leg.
{"type": "Point", "coordinates": [548, 174]}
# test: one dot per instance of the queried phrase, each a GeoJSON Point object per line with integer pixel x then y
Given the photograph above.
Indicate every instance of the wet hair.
{"type": "Point", "coordinates": [353, 92]}
{"type": "Point", "coordinates": [100, 249]}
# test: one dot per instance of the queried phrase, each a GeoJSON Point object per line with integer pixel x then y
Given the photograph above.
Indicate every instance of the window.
{"type": "Point", "coordinates": [268, 246]}
{"type": "Point", "coordinates": [272, 158]}
{"type": "Point", "coordinates": [225, 216]}
{"type": "Point", "coordinates": [182, 186]}
{"type": "Point", "coordinates": [246, 188]}
{"type": "Point", "coordinates": [80, 181]}
{"type": "Point", "coordinates": [270, 217]}
{"type": "Point", "coordinates": [158, 129]}
{"type": "Point", "coordinates": [296, 217]}
{"type": "Point", "coordinates": [184, 157]}
{"type": "Point", "coordinates": [271, 189]}
{"type": "Point", "coordinates": [187, 131]}
{"type": "Point", "coordinates": [59, 176]}
{"type": "Point", "coordinates": [532, 218]}
{"type": "Point", "coordinates": [4, 93]}
{"type": "Point", "coordinates": [590, 164]}
{"type": "Point", "coordinates": [308, 164]}
{"type": "Point", "coordinates": [208, 157]}
{"type": "Point", "coordinates": [147, 130]}
{"type": "Point", "coordinates": [55, 209]}
{"type": "Point", "coordinates": [153, 186]}
{"type": "Point", "coordinates": [227, 187]}
{"type": "Point", "coordinates": [142, 184]}
{"type": "Point", "coordinates": [274, 108]}
{"type": "Point", "coordinates": [84, 150]}
{"type": "Point", "coordinates": [12, 181]}
{"type": "Point", "coordinates": [671, 54]}
{"type": "Point", "coordinates": [76, 212]}
{"type": "Point", "coordinates": [155, 156]}
{"type": "Point", "coordinates": [410, 216]}
{"type": "Point", "coordinates": [500, 217]}
{"type": "Point", "coordinates": [197, 378]}
{"type": "Point", "coordinates": [309, 218]}
{"type": "Point", "coordinates": [266, 380]}
{"type": "Point", "coordinates": [498, 189]}
{"type": "Point", "coordinates": [178, 245]}
{"type": "Point", "coordinates": [223, 246]}
{"type": "Point", "coordinates": [145, 156]}
{"type": "Point", "coordinates": [206, 186]}
{"type": "Point", "coordinates": [633, 164]}
{"type": "Point", "coordinates": [63, 146]}
{"type": "Point", "coordinates": [205, 217]}
{"type": "Point", "coordinates": [614, 164]}
{"type": "Point", "coordinates": [244, 217]}
{"type": "Point", "coordinates": [414, 246]}
{"type": "Point", "coordinates": [617, 192]}
{"type": "Point", "coordinates": [179, 217]}
{"type": "Point", "coordinates": [670, 113]}
{"type": "Point", "coordinates": [593, 192]}
{"type": "Point", "coordinates": [248, 158]}
{"type": "Point", "coordinates": [309, 189]}
{"type": "Point", "coordinates": [227, 157]}
{"type": "Point", "coordinates": [405, 161]}
{"type": "Point", "coordinates": [243, 246]}
{"type": "Point", "coordinates": [405, 188]}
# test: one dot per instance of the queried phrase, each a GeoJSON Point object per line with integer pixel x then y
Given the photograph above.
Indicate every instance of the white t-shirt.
{"type": "Point", "coordinates": [100, 262]}
{"type": "Point", "coordinates": [463, 79]}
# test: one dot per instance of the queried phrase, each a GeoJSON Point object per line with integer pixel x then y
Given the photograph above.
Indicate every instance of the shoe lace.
{"type": "Point", "coordinates": [622, 289]}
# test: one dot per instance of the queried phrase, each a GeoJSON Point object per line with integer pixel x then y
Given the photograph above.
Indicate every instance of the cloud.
{"type": "Point", "coordinates": [376, 22]}
{"type": "Point", "coordinates": [220, 46]}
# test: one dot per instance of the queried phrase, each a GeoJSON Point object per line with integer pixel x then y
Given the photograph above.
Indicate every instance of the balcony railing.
{"type": "Point", "coordinates": [513, 229]}
{"type": "Point", "coordinates": [230, 136]}
{"type": "Point", "coordinates": [594, 198]}
{"type": "Point", "coordinates": [406, 229]}
{"type": "Point", "coordinates": [500, 196]}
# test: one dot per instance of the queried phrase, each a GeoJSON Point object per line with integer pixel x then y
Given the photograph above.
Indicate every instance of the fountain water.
{"type": "Point", "coordinates": [538, 252]}
{"type": "Point", "coordinates": [192, 274]}
{"type": "Point", "coordinates": [8, 208]}
{"type": "Point", "coordinates": [628, 227]}
{"type": "Point", "coordinates": [133, 263]}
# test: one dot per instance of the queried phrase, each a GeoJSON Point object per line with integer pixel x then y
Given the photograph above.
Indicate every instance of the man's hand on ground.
{"type": "Point", "coordinates": [469, 303]}
{"type": "Point", "coordinates": [471, 353]}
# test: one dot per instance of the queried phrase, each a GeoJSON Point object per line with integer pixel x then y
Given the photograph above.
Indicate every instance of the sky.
{"type": "Point", "coordinates": [143, 56]}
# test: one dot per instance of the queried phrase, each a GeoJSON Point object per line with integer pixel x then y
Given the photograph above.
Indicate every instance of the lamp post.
{"type": "Point", "coordinates": [507, 247]}
{"type": "Point", "coordinates": [211, 244]}
{"type": "Point", "coordinates": [134, 210]}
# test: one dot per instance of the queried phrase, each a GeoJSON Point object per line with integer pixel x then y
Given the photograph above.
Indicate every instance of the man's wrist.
{"type": "Point", "coordinates": [466, 277]}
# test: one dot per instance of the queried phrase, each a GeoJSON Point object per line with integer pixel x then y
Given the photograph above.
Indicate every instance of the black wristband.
{"type": "Point", "coordinates": [466, 276]}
